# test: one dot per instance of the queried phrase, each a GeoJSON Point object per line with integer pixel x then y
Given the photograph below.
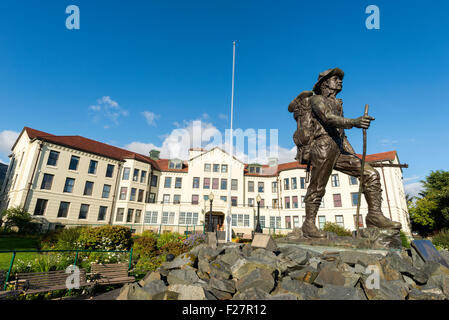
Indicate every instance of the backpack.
{"type": "Point", "coordinates": [303, 136]}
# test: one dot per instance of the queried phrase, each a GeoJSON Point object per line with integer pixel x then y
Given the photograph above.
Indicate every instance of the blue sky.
{"type": "Point", "coordinates": [137, 70]}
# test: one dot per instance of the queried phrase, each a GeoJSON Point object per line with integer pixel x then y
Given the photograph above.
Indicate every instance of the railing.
{"type": "Point", "coordinates": [14, 252]}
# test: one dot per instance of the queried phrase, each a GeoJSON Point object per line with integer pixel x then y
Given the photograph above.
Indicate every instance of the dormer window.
{"type": "Point", "coordinates": [175, 164]}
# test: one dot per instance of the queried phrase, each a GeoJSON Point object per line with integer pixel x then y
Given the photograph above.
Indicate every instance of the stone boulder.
{"type": "Point", "coordinates": [251, 294]}
{"type": "Point", "coordinates": [302, 290]}
{"type": "Point", "coordinates": [258, 278]}
{"type": "Point", "coordinates": [181, 261]}
{"type": "Point", "coordinates": [191, 292]}
{"type": "Point", "coordinates": [186, 276]}
{"type": "Point", "coordinates": [331, 292]}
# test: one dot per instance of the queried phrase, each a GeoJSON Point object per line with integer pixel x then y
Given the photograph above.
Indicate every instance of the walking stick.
{"type": "Point", "coordinates": [362, 177]}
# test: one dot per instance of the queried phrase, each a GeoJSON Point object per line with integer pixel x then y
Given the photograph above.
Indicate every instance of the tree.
{"type": "Point", "coordinates": [430, 212]}
{"type": "Point", "coordinates": [19, 218]}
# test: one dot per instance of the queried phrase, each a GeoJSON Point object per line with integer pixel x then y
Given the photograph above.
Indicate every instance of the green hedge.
{"type": "Point", "coordinates": [105, 238]}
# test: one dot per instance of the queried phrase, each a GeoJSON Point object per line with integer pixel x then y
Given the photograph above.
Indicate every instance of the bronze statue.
{"type": "Point", "coordinates": [322, 146]}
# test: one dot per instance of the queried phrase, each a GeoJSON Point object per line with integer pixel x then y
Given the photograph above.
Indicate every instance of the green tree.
{"type": "Point", "coordinates": [19, 218]}
{"type": "Point", "coordinates": [430, 212]}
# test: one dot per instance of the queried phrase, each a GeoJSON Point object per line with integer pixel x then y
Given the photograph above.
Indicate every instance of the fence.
{"type": "Point", "coordinates": [14, 252]}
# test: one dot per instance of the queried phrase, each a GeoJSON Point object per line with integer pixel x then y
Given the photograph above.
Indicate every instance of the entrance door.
{"type": "Point", "coordinates": [217, 219]}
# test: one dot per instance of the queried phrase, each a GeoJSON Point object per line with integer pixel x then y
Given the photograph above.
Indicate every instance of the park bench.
{"type": "Point", "coordinates": [113, 273]}
{"type": "Point", "coordinates": [37, 282]}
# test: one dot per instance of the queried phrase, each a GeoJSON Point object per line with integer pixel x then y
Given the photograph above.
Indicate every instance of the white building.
{"type": "Point", "coordinates": [72, 180]}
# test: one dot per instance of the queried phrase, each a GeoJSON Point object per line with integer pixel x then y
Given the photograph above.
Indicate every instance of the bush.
{"type": "Point", "coordinates": [441, 239]}
{"type": "Point", "coordinates": [148, 264]}
{"type": "Point", "coordinates": [175, 248]}
{"type": "Point", "coordinates": [64, 239]}
{"type": "Point", "coordinates": [195, 239]}
{"type": "Point", "coordinates": [145, 245]}
{"type": "Point", "coordinates": [20, 219]}
{"type": "Point", "coordinates": [337, 229]}
{"type": "Point", "coordinates": [404, 239]}
{"type": "Point", "coordinates": [105, 238]}
{"type": "Point", "coordinates": [165, 238]}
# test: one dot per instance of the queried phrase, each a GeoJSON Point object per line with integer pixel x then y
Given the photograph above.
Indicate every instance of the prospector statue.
{"type": "Point", "coordinates": [323, 146]}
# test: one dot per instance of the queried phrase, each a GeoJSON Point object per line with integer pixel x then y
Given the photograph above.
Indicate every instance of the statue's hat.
{"type": "Point", "coordinates": [326, 75]}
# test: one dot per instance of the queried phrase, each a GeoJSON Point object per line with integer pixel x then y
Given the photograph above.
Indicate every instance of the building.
{"type": "Point", "coordinates": [3, 169]}
{"type": "Point", "coordinates": [72, 180]}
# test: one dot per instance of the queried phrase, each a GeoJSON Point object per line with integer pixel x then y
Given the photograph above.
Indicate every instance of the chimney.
{"type": "Point", "coordinates": [154, 154]}
{"type": "Point", "coordinates": [273, 162]}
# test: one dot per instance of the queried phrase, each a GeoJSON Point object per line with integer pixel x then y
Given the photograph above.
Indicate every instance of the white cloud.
{"type": "Point", "coordinates": [142, 148]}
{"type": "Point", "coordinates": [413, 189]}
{"type": "Point", "coordinates": [107, 109]}
{"type": "Point", "coordinates": [7, 139]}
{"type": "Point", "coordinates": [151, 117]}
{"type": "Point", "coordinates": [388, 142]}
{"type": "Point", "coordinates": [222, 116]}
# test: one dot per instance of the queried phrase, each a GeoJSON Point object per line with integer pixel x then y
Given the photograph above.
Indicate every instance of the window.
{"type": "Point", "coordinates": [295, 202]}
{"type": "Point", "coordinates": [126, 173]}
{"type": "Point", "coordinates": [154, 181]}
{"type": "Point", "coordinates": [136, 175]}
{"type": "Point", "coordinates": [321, 221]}
{"type": "Point", "coordinates": [295, 221]}
{"type": "Point", "coordinates": [275, 203]}
{"type": "Point", "coordinates": [140, 196]}
{"type": "Point", "coordinates": [234, 184]}
{"type": "Point", "coordinates": [288, 221]}
{"type": "Point", "coordinates": [287, 202]}
{"type": "Point", "coordinates": [339, 221]}
{"type": "Point", "coordinates": [294, 186]}
{"type": "Point", "coordinates": [215, 183]}
{"type": "Point", "coordinates": [195, 199]}
{"type": "Point", "coordinates": [178, 183]}
{"type": "Point", "coordinates": [206, 183]}
{"type": "Point", "coordinates": [196, 182]}
{"type": "Point", "coordinates": [262, 203]}
{"type": "Point", "coordinates": [240, 220]}
{"type": "Point", "coordinates": [251, 202]}
{"type": "Point", "coordinates": [246, 220]}
{"type": "Point", "coordinates": [353, 180]}
{"type": "Point", "coordinates": [216, 168]}
{"type": "Point", "coordinates": [120, 213]}
{"type": "Point", "coordinates": [322, 203]}
{"type": "Point", "coordinates": [337, 200]}
{"type": "Point", "coordinates": [88, 188]}
{"type": "Point", "coordinates": [175, 164]}
{"type": "Point", "coordinates": [63, 209]}
{"type": "Point", "coordinates": [275, 222]}
{"type": "Point", "coordinates": [262, 221]}
{"type": "Point", "coordinates": [84, 210]}
{"type": "Point", "coordinates": [286, 184]}
{"type": "Point", "coordinates": [137, 216]}
{"type": "Point", "coordinates": [74, 160]}
{"type": "Point", "coordinates": [143, 176]}
{"type": "Point", "coordinates": [360, 221]}
{"type": "Point", "coordinates": [102, 213]}
{"type": "Point", "coordinates": [234, 201]}
{"type": "Point", "coordinates": [257, 169]}
{"type": "Point", "coordinates": [168, 218]}
{"type": "Point", "coordinates": [335, 181]}
{"type": "Point", "coordinates": [354, 198]}
{"type": "Point", "coordinates": [223, 198]}
{"type": "Point", "coordinates": [106, 191]}
{"type": "Point", "coordinates": [68, 186]}
{"type": "Point", "coordinates": [150, 217]}
{"type": "Point", "coordinates": [188, 218]}
{"type": "Point", "coordinates": [47, 181]}
{"type": "Point", "coordinates": [152, 197]}
{"type": "Point", "coordinates": [274, 187]}
{"type": "Point", "coordinates": [132, 196]}
{"type": "Point", "coordinates": [109, 171]}
{"type": "Point", "coordinates": [224, 184]}
{"type": "Point", "coordinates": [207, 167]}
{"type": "Point", "coordinates": [41, 205]}
{"type": "Point", "coordinates": [53, 158]}
{"type": "Point", "coordinates": [303, 204]}
{"type": "Point", "coordinates": [302, 183]}
{"type": "Point", "coordinates": [166, 198]}
{"type": "Point", "coordinates": [224, 168]}
{"type": "Point", "coordinates": [167, 182]}
{"type": "Point", "coordinates": [251, 170]}
{"type": "Point", "coordinates": [129, 216]}
{"type": "Point", "coordinates": [250, 186]}
{"type": "Point", "coordinates": [123, 192]}
{"type": "Point", "coordinates": [177, 199]}
{"type": "Point", "coordinates": [93, 167]}
{"type": "Point", "coordinates": [260, 187]}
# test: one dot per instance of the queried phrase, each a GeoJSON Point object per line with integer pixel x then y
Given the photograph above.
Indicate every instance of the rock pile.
{"type": "Point", "coordinates": [241, 272]}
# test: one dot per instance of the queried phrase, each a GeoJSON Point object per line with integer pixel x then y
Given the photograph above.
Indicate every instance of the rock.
{"type": "Point", "coordinates": [388, 290]}
{"type": "Point", "coordinates": [302, 290]}
{"type": "Point", "coordinates": [331, 292]}
{"type": "Point", "coordinates": [230, 257]}
{"type": "Point", "coordinates": [314, 262]}
{"type": "Point", "coordinates": [308, 274]}
{"type": "Point", "coordinates": [263, 241]}
{"type": "Point", "coordinates": [247, 249]}
{"type": "Point", "coordinates": [382, 238]}
{"type": "Point", "coordinates": [186, 276]}
{"type": "Point", "coordinates": [445, 255]}
{"type": "Point", "coordinates": [329, 276]}
{"type": "Point", "coordinates": [171, 295]}
{"type": "Point", "coordinates": [180, 261]}
{"type": "Point", "coordinates": [195, 251]}
{"type": "Point", "coordinates": [295, 234]}
{"type": "Point", "coordinates": [150, 276]}
{"type": "Point", "coordinates": [356, 257]}
{"type": "Point", "coordinates": [220, 295]}
{"type": "Point", "coordinates": [191, 292]}
{"type": "Point", "coordinates": [156, 289]}
{"type": "Point", "coordinates": [417, 261]}
{"type": "Point", "coordinates": [259, 278]}
{"type": "Point", "coordinates": [219, 270]}
{"type": "Point", "coordinates": [244, 266]}
{"type": "Point", "coordinates": [203, 275]}
{"type": "Point", "coordinates": [209, 253]}
{"type": "Point", "coordinates": [388, 272]}
{"type": "Point", "coordinates": [358, 268]}
{"type": "Point", "coordinates": [204, 266]}
{"type": "Point", "coordinates": [440, 281]}
{"type": "Point", "coordinates": [416, 294]}
{"type": "Point", "coordinates": [404, 266]}
{"type": "Point", "coordinates": [251, 294]}
{"type": "Point", "coordinates": [124, 292]}
{"type": "Point", "coordinates": [283, 296]}
{"type": "Point", "coordinates": [222, 285]}
{"type": "Point", "coordinates": [211, 239]}
{"type": "Point", "coordinates": [135, 292]}
{"type": "Point", "coordinates": [409, 281]}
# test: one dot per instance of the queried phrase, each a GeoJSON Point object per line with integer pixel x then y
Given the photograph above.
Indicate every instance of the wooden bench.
{"type": "Point", "coordinates": [36, 282]}
{"type": "Point", "coordinates": [104, 274]}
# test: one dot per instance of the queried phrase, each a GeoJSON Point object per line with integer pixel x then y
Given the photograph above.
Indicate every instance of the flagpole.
{"type": "Point", "coordinates": [231, 140]}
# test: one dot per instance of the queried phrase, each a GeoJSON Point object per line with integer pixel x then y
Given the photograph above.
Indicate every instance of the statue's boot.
{"type": "Point", "coordinates": [375, 217]}
{"type": "Point", "coordinates": [309, 228]}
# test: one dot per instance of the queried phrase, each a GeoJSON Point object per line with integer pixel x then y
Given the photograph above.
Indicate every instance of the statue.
{"type": "Point", "coordinates": [323, 146]}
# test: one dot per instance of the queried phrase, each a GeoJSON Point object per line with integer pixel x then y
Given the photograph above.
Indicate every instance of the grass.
{"type": "Point", "coordinates": [17, 243]}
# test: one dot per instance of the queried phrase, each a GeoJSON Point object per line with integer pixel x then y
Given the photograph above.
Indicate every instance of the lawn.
{"type": "Point", "coordinates": [16, 243]}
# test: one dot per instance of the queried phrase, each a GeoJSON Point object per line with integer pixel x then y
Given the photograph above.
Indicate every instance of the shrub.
{"type": "Point", "coordinates": [148, 264]}
{"type": "Point", "coordinates": [404, 239]}
{"type": "Point", "coordinates": [20, 219]}
{"type": "Point", "coordinates": [105, 238]}
{"type": "Point", "coordinates": [175, 248]}
{"type": "Point", "coordinates": [337, 229]}
{"type": "Point", "coordinates": [441, 239]}
{"type": "Point", "coordinates": [64, 239]}
{"type": "Point", "coordinates": [145, 245]}
{"type": "Point", "coordinates": [195, 239]}
{"type": "Point", "coordinates": [165, 238]}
